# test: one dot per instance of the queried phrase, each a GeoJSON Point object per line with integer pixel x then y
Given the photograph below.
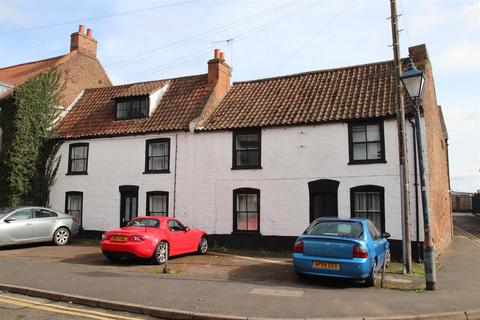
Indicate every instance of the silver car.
{"type": "Point", "coordinates": [35, 224]}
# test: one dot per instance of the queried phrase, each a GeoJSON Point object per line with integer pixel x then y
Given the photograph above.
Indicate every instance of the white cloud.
{"type": "Point", "coordinates": [461, 57]}
{"type": "Point", "coordinates": [469, 15]}
{"type": "Point", "coordinates": [464, 141]}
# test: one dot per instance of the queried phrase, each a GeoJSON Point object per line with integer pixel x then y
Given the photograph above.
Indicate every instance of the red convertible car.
{"type": "Point", "coordinates": [155, 238]}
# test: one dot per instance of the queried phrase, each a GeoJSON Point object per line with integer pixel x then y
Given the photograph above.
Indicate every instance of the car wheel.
{"type": "Point", "coordinates": [160, 255]}
{"type": "Point", "coordinates": [203, 245]}
{"type": "Point", "coordinates": [301, 276]}
{"type": "Point", "coordinates": [111, 257]}
{"type": "Point", "coordinates": [370, 281]}
{"type": "Point", "coordinates": [61, 236]}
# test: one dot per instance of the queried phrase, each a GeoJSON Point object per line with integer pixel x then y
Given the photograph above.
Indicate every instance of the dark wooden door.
{"type": "Point", "coordinates": [128, 207]}
{"type": "Point", "coordinates": [323, 204]}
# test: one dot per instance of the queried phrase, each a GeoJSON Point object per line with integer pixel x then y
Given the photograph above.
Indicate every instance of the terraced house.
{"type": "Point", "coordinates": [253, 162]}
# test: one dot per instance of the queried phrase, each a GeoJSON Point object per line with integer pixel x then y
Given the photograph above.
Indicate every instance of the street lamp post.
{"type": "Point", "coordinates": [413, 80]}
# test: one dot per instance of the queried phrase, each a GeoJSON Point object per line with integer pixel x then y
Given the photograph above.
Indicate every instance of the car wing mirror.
{"type": "Point", "coordinates": [386, 235]}
{"type": "Point", "coordinates": [187, 228]}
{"type": "Point", "coordinates": [8, 220]}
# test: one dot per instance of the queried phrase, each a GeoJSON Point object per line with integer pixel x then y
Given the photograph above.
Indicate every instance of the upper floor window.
{"type": "Point", "coordinates": [78, 158]}
{"type": "Point", "coordinates": [132, 108]}
{"type": "Point", "coordinates": [247, 149]}
{"type": "Point", "coordinates": [246, 210]}
{"type": "Point", "coordinates": [157, 203]}
{"type": "Point", "coordinates": [366, 142]}
{"type": "Point", "coordinates": [368, 202]}
{"type": "Point", "coordinates": [157, 156]}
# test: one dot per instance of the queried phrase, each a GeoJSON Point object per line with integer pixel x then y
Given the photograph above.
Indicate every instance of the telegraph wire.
{"type": "Point", "coordinates": [99, 17]}
{"type": "Point", "coordinates": [201, 36]}
{"type": "Point", "coordinates": [240, 37]}
{"type": "Point", "coordinates": [406, 25]}
{"type": "Point", "coordinates": [312, 38]}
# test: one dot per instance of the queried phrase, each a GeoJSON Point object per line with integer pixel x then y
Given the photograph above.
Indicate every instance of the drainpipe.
{"type": "Point", "coordinates": [416, 188]}
{"type": "Point", "coordinates": [175, 177]}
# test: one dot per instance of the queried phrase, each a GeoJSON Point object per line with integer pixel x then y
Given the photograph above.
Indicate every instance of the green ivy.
{"type": "Point", "coordinates": [27, 157]}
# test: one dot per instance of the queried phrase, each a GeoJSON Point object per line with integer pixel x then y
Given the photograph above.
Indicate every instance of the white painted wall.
{"type": "Point", "coordinates": [291, 157]}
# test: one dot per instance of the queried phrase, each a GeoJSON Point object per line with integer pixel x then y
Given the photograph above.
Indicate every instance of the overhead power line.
{"type": "Point", "coordinates": [200, 36]}
{"type": "Point", "coordinates": [176, 4]}
{"type": "Point", "coordinates": [312, 38]}
{"type": "Point", "coordinates": [240, 37]}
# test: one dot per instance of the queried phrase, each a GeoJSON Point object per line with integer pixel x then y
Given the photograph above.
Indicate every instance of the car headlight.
{"type": "Point", "coordinates": [104, 236]}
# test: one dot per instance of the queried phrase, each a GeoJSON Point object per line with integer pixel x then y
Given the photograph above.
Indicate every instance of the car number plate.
{"type": "Point", "coordinates": [326, 265]}
{"type": "Point", "coordinates": [119, 239]}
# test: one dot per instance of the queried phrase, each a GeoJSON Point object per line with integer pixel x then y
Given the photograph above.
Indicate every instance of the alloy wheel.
{"type": "Point", "coordinates": [61, 236]}
{"type": "Point", "coordinates": [162, 252]}
{"type": "Point", "coordinates": [204, 246]}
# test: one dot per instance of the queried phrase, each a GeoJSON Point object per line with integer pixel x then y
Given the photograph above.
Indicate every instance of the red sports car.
{"type": "Point", "coordinates": [153, 238]}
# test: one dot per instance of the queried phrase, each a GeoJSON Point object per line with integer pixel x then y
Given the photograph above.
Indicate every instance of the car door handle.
{"type": "Point", "coordinates": [29, 224]}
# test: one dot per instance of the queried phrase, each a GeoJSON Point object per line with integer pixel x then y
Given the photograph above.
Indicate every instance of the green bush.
{"type": "Point", "coordinates": [27, 157]}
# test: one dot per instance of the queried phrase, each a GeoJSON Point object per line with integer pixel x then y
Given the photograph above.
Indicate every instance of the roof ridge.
{"type": "Point", "coordinates": [166, 79]}
{"type": "Point", "coordinates": [37, 61]}
{"type": "Point", "coordinates": [313, 72]}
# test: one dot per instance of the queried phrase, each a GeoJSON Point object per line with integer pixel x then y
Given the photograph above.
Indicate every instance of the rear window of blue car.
{"type": "Point", "coordinates": [150, 223]}
{"type": "Point", "coordinates": [344, 229]}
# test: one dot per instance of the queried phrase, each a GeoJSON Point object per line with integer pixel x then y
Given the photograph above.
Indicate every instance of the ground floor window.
{"type": "Point", "coordinates": [74, 205]}
{"type": "Point", "coordinates": [157, 203]}
{"type": "Point", "coordinates": [368, 202]}
{"type": "Point", "coordinates": [246, 210]}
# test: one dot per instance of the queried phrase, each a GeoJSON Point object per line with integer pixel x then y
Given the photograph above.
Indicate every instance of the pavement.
{"type": "Point", "coordinates": [230, 286]}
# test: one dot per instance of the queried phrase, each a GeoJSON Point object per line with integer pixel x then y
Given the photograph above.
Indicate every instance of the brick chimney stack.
{"type": "Point", "coordinates": [219, 73]}
{"type": "Point", "coordinates": [82, 42]}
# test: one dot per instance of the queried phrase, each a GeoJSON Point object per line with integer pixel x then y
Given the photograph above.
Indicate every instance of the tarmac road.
{"type": "Point", "coordinates": [458, 281]}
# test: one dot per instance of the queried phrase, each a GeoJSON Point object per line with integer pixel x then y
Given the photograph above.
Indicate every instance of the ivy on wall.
{"type": "Point", "coordinates": [28, 162]}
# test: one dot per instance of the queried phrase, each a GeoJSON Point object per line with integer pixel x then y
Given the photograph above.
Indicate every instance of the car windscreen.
{"type": "Point", "coordinates": [6, 210]}
{"type": "Point", "coordinates": [150, 223]}
{"type": "Point", "coordinates": [344, 229]}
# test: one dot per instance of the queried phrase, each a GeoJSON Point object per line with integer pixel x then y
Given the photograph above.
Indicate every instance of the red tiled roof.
{"type": "Point", "coordinates": [140, 89]}
{"type": "Point", "coordinates": [93, 114]}
{"type": "Point", "coordinates": [18, 74]}
{"type": "Point", "coordinates": [357, 92]}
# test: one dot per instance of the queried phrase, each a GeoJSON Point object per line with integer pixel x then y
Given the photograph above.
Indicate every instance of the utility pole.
{"type": "Point", "coordinates": [402, 142]}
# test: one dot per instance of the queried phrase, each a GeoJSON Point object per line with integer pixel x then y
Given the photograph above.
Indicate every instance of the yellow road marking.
{"type": "Point", "coordinates": [60, 309]}
{"type": "Point", "coordinates": [250, 258]}
{"type": "Point", "coordinates": [467, 234]}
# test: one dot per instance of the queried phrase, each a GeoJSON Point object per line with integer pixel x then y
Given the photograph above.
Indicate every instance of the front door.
{"type": "Point", "coordinates": [128, 207]}
{"type": "Point", "coordinates": [323, 198]}
{"type": "Point", "coordinates": [323, 205]}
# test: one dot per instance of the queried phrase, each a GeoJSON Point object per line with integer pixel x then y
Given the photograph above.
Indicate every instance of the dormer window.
{"type": "Point", "coordinates": [132, 108]}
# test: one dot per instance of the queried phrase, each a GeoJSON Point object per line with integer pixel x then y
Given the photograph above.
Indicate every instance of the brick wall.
{"type": "Point", "coordinates": [81, 72]}
{"type": "Point", "coordinates": [437, 153]}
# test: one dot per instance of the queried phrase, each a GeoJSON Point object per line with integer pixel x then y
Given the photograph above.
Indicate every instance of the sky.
{"type": "Point", "coordinates": [146, 40]}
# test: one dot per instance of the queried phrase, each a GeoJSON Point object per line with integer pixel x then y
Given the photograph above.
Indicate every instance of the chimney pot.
{"type": "Point", "coordinates": [222, 56]}
{"type": "Point", "coordinates": [81, 29]}
{"type": "Point", "coordinates": [216, 54]}
{"type": "Point", "coordinates": [89, 32]}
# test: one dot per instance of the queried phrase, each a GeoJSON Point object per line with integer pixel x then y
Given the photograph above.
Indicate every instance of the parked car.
{"type": "Point", "coordinates": [153, 237]}
{"type": "Point", "coordinates": [19, 225]}
{"type": "Point", "coordinates": [345, 248]}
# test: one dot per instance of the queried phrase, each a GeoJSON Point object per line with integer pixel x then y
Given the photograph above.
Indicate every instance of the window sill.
{"type": "Point", "coordinates": [76, 173]}
{"type": "Point", "coordinates": [155, 172]}
{"type": "Point", "coordinates": [366, 162]}
{"type": "Point", "coordinates": [247, 168]}
{"type": "Point", "coordinates": [246, 233]}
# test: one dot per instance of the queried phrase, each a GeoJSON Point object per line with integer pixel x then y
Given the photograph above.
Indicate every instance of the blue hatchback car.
{"type": "Point", "coordinates": [346, 248]}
